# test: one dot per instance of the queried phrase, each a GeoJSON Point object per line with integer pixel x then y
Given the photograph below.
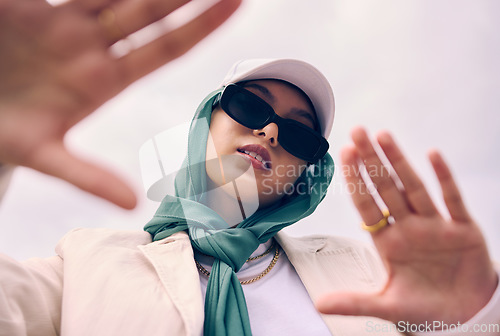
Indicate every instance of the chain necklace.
{"type": "Point", "coordinates": [263, 254]}
{"type": "Point", "coordinates": [204, 271]}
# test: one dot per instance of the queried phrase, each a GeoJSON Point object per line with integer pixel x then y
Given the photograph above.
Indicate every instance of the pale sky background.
{"type": "Point", "coordinates": [426, 70]}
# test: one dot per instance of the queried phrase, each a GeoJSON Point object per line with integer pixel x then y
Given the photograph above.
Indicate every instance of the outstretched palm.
{"type": "Point", "coordinates": [56, 68]}
{"type": "Point", "coordinates": [438, 268]}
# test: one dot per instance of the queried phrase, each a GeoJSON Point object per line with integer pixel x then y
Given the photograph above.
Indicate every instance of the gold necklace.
{"type": "Point", "coordinates": [204, 271]}
{"type": "Point", "coordinates": [263, 254]}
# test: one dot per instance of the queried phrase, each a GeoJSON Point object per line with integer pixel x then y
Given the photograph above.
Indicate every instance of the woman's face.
{"type": "Point", "coordinates": [274, 169]}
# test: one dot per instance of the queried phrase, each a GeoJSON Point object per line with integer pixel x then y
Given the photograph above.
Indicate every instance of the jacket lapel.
{"type": "Point", "coordinates": [326, 266]}
{"type": "Point", "coordinates": [173, 260]}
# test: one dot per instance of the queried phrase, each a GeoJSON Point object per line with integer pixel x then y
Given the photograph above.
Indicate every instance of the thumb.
{"type": "Point", "coordinates": [53, 159]}
{"type": "Point", "coordinates": [357, 304]}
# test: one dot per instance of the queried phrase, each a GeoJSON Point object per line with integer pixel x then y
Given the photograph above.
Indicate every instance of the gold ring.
{"type": "Point", "coordinates": [379, 225]}
{"type": "Point", "coordinates": [107, 19]}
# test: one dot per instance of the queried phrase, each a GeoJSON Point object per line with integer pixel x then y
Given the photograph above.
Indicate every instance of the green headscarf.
{"type": "Point", "coordinates": [225, 307]}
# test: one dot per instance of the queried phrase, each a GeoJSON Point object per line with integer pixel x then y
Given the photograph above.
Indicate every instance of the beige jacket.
{"type": "Point", "coordinates": [108, 282]}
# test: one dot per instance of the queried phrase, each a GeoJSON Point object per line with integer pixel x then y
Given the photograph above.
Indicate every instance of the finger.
{"type": "Point", "coordinates": [90, 5]}
{"type": "Point", "coordinates": [380, 176]}
{"type": "Point", "coordinates": [55, 160]}
{"type": "Point", "coordinates": [356, 304]}
{"type": "Point", "coordinates": [416, 193]}
{"type": "Point", "coordinates": [451, 194]}
{"type": "Point", "coordinates": [131, 16]}
{"type": "Point", "coordinates": [143, 60]}
{"type": "Point", "coordinates": [361, 196]}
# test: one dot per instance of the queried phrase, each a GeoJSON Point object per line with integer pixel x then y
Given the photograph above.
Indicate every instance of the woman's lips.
{"type": "Point", "coordinates": [258, 156]}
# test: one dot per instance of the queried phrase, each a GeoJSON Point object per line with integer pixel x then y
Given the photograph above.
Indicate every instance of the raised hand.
{"type": "Point", "coordinates": [438, 267]}
{"type": "Point", "coordinates": [56, 68]}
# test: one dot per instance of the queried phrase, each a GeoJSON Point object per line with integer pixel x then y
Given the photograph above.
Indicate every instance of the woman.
{"type": "Point", "coordinates": [120, 282]}
{"type": "Point", "coordinates": [116, 282]}
{"type": "Point", "coordinates": [241, 125]}
{"type": "Point", "coordinates": [240, 118]}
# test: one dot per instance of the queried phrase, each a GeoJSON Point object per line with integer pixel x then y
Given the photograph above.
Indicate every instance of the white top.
{"type": "Point", "coordinates": [278, 304]}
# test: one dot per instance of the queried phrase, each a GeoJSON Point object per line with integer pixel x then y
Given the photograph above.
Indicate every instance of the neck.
{"type": "Point", "coordinates": [226, 202]}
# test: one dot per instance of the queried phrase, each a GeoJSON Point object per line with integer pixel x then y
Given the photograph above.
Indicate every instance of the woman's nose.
{"type": "Point", "coordinates": [269, 132]}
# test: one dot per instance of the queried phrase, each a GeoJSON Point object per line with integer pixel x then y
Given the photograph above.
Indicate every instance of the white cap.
{"type": "Point", "coordinates": [299, 73]}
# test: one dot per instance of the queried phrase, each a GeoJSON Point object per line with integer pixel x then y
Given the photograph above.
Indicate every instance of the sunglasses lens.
{"type": "Point", "coordinates": [299, 141]}
{"type": "Point", "coordinates": [253, 112]}
{"type": "Point", "coordinates": [247, 110]}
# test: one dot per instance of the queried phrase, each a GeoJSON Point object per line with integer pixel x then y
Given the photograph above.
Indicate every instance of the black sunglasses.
{"type": "Point", "coordinates": [253, 112]}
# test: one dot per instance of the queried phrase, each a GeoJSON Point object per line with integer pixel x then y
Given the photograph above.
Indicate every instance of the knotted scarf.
{"type": "Point", "coordinates": [225, 307]}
